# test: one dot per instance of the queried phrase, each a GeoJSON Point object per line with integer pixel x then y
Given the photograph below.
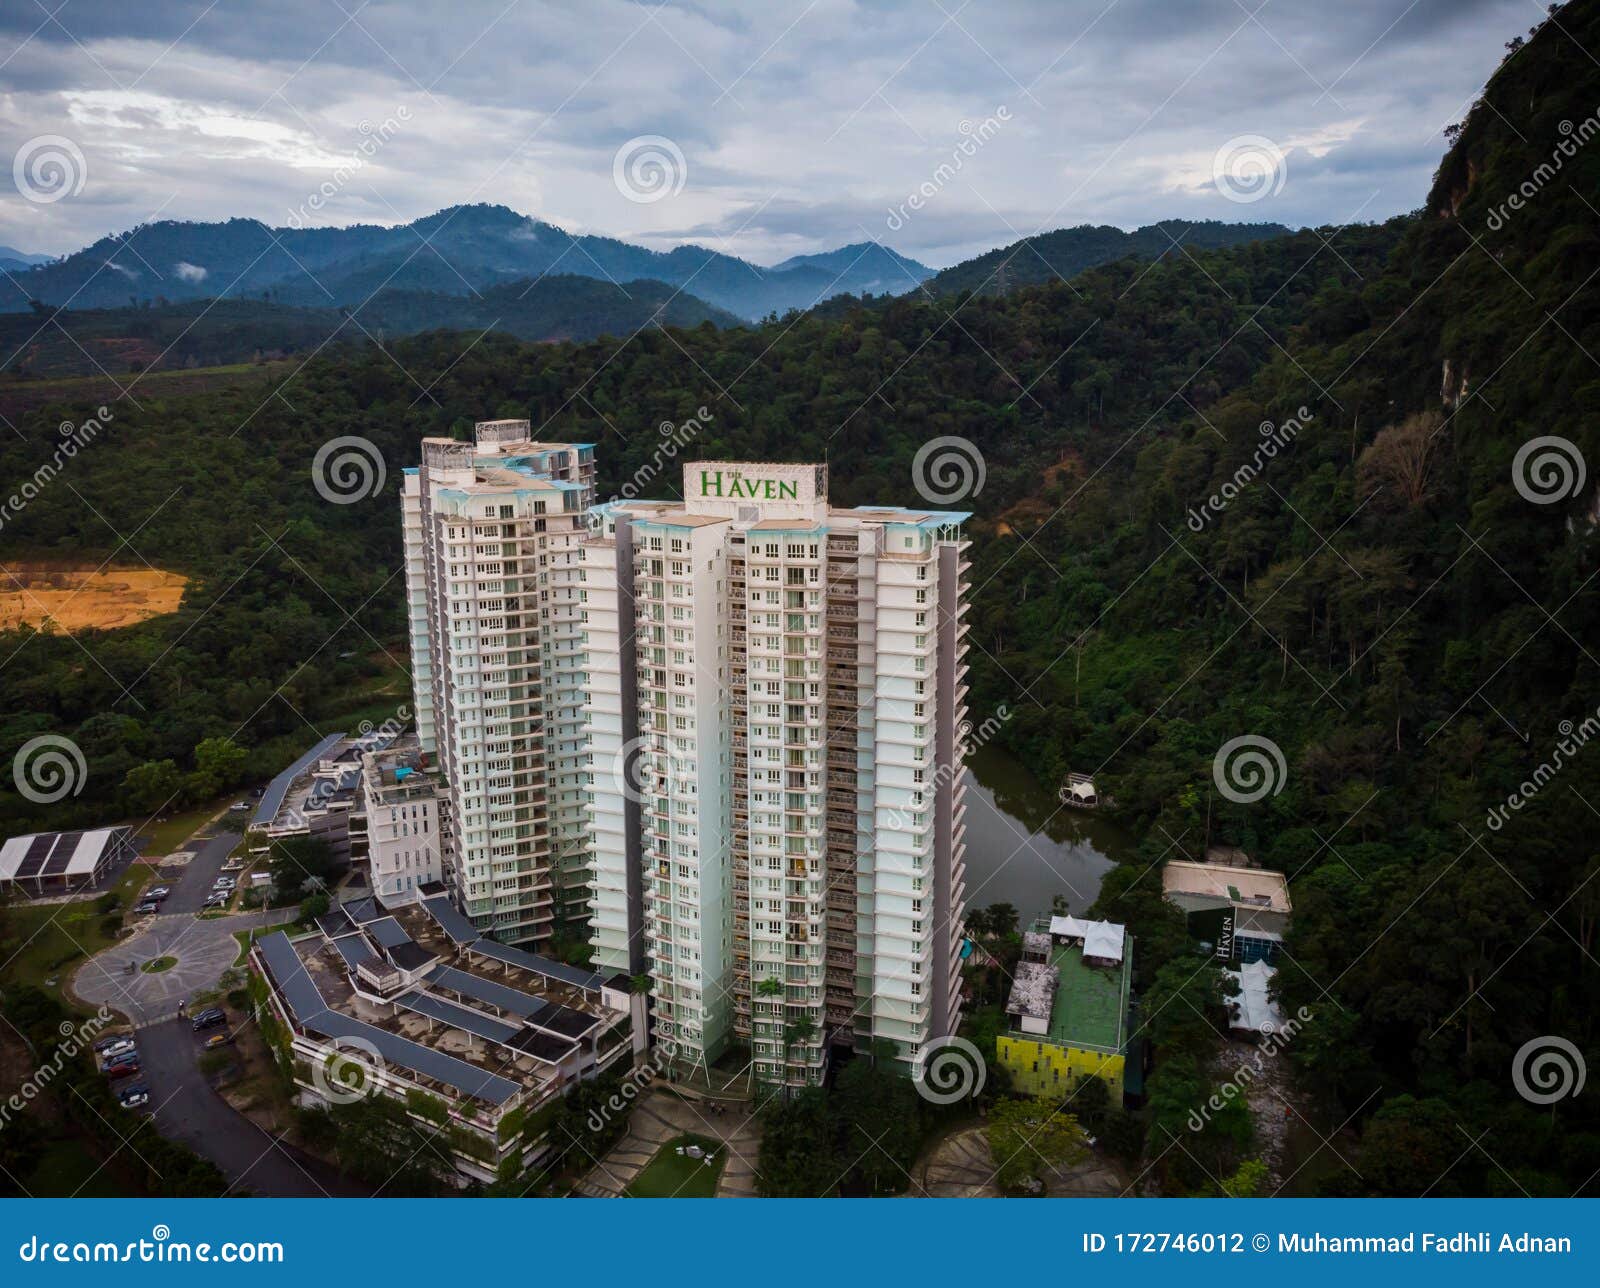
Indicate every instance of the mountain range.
{"type": "Point", "coordinates": [136, 298]}
{"type": "Point", "coordinates": [463, 250]}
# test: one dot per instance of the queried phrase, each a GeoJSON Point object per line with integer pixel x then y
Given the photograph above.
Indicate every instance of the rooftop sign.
{"type": "Point", "coordinates": [734, 488]}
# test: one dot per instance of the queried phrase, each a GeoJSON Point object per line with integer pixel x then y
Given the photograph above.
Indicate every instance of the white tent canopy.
{"type": "Point", "coordinates": [1100, 938]}
{"type": "Point", "coordinates": [1256, 1010]}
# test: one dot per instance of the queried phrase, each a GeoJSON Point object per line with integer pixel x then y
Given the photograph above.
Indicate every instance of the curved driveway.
{"type": "Point", "coordinates": [204, 950]}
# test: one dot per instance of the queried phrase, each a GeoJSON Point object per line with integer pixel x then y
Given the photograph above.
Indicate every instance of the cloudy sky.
{"type": "Point", "coordinates": [783, 126]}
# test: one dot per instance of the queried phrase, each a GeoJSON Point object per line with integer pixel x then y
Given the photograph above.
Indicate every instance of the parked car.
{"type": "Point", "coordinates": [224, 883]}
{"type": "Point", "coordinates": [217, 901]}
{"type": "Point", "coordinates": [130, 1056]}
{"type": "Point", "coordinates": [146, 908]}
{"type": "Point", "coordinates": [123, 1071]}
{"type": "Point", "coordinates": [209, 1019]}
{"type": "Point", "coordinates": [134, 1096]}
{"type": "Point", "coordinates": [114, 1047]}
{"type": "Point", "coordinates": [160, 892]}
{"type": "Point", "coordinates": [239, 806]}
{"type": "Point", "coordinates": [218, 1039]}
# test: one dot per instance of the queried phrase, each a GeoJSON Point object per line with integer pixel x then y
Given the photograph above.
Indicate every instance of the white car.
{"type": "Point", "coordinates": [133, 1097]}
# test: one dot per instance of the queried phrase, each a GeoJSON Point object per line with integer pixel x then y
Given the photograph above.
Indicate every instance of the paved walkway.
{"type": "Point", "coordinates": [204, 950]}
{"type": "Point", "coordinates": [961, 1167]}
{"type": "Point", "coordinates": [662, 1116]}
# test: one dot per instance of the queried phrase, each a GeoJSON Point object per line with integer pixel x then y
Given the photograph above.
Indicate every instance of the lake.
{"type": "Point", "coordinates": [1023, 848]}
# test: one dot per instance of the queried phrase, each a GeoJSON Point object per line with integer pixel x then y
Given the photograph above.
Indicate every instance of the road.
{"type": "Point", "coordinates": [187, 1108]}
{"type": "Point", "coordinates": [194, 886]}
{"type": "Point", "coordinates": [190, 1111]}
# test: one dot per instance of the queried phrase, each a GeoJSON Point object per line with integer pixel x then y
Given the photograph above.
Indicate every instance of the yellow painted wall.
{"type": "Point", "coordinates": [1058, 1066]}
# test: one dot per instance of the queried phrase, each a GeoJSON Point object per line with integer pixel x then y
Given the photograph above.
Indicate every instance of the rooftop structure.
{"type": "Point", "coordinates": [1245, 911]}
{"type": "Point", "coordinates": [1069, 1012]}
{"type": "Point", "coordinates": [46, 863]}
{"type": "Point", "coordinates": [1253, 1010]}
{"type": "Point", "coordinates": [486, 1036]}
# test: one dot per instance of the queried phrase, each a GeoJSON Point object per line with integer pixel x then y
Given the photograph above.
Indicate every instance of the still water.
{"type": "Point", "coordinates": [1023, 848]}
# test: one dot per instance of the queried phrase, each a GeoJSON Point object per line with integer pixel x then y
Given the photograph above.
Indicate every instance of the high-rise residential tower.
{"type": "Point", "coordinates": [492, 535]}
{"type": "Point", "coordinates": [777, 694]}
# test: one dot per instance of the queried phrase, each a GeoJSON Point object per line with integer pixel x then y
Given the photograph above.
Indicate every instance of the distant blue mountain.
{"type": "Point", "coordinates": [460, 251]}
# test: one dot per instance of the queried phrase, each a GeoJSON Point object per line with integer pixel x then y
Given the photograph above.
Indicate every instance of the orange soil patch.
{"type": "Point", "coordinates": [80, 599]}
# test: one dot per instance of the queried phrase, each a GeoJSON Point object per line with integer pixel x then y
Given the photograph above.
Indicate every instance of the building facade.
{"type": "Point", "coordinates": [492, 530]}
{"type": "Point", "coordinates": [406, 812]}
{"type": "Point", "coordinates": [790, 760]}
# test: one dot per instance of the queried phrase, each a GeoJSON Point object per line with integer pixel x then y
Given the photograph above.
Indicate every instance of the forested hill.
{"type": "Point", "coordinates": [50, 342]}
{"type": "Point", "coordinates": [1398, 596]}
{"type": "Point", "coordinates": [1055, 256]}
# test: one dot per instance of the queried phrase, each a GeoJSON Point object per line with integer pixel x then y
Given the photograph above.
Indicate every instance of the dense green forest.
{"type": "Point", "coordinates": [46, 341]}
{"type": "Point", "coordinates": [1378, 597]}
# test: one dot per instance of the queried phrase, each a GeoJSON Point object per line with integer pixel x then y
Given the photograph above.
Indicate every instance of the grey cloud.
{"type": "Point", "coordinates": [795, 139]}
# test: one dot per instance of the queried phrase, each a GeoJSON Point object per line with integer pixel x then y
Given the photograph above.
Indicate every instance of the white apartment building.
{"type": "Point", "coordinates": [782, 685]}
{"type": "Point", "coordinates": [492, 535]}
{"type": "Point", "coordinates": [407, 817]}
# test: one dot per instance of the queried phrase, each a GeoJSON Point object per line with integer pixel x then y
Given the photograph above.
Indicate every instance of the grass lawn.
{"type": "Point", "coordinates": [171, 833]}
{"type": "Point", "coordinates": [158, 964]}
{"type": "Point", "coordinates": [242, 938]}
{"type": "Point", "coordinates": [68, 1164]}
{"type": "Point", "coordinates": [50, 939]}
{"type": "Point", "coordinates": [670, 1175]}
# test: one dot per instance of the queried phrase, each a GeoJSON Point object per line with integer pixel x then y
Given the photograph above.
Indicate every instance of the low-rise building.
{"type": "Point", "coordinates": [1069, 1008]}
{"type": "Point", "coordinates": [57, 863]}
{"type": "Point", "coordinates": [1244, 911]}
{"type": "Point", "coordinates": [476, 1039]}
{"type": "Point", "coordinates": [407, 821]}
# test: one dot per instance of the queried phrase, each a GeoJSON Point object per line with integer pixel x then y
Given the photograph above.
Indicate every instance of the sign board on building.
{"type": "Point", "coordinates": [776, 491]}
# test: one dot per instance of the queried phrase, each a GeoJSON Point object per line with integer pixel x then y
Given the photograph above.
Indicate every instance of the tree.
{"type": "Point", "coordinates": [301, 864]}
{"type": "Point", "coordinates": [218, 765]}
{"type": "Point", "coordinates": [1029, 1139]}
{"type": "Point", "coordinates": [1400, 459]}
{"type": "Point", "coordinates": [1247, 1182]}
{"type": "Point", "coordinates": [151, 786]}
{"type": "Point", "coordinates": [878, 1117]}
{"type": "Point", "coordinates": [798, 1156]}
